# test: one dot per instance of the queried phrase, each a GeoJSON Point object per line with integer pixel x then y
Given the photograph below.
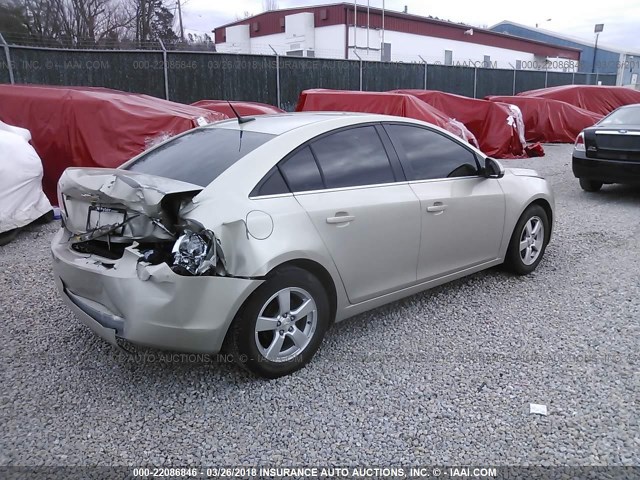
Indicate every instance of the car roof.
{"type": "Point", "coordinates": [277, 124]}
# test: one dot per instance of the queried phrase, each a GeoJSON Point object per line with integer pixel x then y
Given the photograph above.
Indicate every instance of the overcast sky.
{"type": "Point", "coordinates": [576, 18]}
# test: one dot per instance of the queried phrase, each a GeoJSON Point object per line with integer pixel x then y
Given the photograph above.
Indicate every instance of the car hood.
{"type": "Point", "coordinates": [613, 128]}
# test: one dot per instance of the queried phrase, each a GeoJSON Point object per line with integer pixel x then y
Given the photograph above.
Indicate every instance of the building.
{"type": "Point", "coordinates": [606, 59]}
{"type": "Point", "coordinates": [329, 31]}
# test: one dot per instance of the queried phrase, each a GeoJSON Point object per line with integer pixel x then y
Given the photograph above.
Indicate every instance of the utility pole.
{"type": "Point", "coordinates": [382, 49]}
{"type": "Point", "coordinates": [355, 25]}
{"type": "Point", "coordinates": [597, 30]}
{"type": "Point", "coordinates": [180, 20]}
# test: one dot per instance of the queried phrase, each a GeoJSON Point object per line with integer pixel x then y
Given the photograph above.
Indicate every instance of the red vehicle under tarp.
{"type": "Point", "coordinates": [93, 127]}
{"type": "Point", "coordinates": [550, 121]}
{"type": "Point", "coordinates": [499, 130]}
{"type": "Point", "coordinates": [399, 104]}
{"type": "Point", "coordinates": [243, 108]}
{"type": "Point", "coordinates": [596, 98]}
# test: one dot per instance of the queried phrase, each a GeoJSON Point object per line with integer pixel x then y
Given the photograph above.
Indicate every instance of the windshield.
{"type": "Point", "coordinates": [623, 116]}
{"type": "Point", "coordinates": [200, 156]}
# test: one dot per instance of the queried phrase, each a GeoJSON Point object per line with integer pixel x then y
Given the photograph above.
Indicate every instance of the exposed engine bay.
{"type": "Point", "coordinates": [108, 210]}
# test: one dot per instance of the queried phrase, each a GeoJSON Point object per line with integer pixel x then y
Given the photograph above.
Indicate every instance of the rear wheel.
{"type": "Point", "coordinates": [528, 241]}
{"type": "Point", "coordinates": [282, 324]}
{"type": "Point", "coordinates": [590, 185]}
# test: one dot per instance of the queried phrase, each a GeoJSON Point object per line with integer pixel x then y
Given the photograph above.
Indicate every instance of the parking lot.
{"type": "Point", "coordinates": [443, 377]}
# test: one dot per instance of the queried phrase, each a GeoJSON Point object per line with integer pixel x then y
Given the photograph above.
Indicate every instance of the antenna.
{"type": "Point", "coordinates": [241, 120]}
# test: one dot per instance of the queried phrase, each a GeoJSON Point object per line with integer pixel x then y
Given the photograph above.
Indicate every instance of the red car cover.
{"type": "Point", "coordinates": [243, 108]}
{"type": "Point", "coordinates": [385, 103]}
{"type": "Point", "coordinates": [494, 125]}
{"type": "Point", "coordinates": [93, 127]}
{"type": "Point", "coordinates": [596, 98]}
{"type": "Point", "coordinates": [550, 121]}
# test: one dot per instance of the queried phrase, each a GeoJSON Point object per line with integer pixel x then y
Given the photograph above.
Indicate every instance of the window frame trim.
{"type": "Point", "coordinates": [451, 137]}
{"type": "Point", "coordinates": [392, 157]}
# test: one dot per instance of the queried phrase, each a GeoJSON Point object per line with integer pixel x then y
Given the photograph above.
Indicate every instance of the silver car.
{"type": "Point", "coordinates": [257, 234]}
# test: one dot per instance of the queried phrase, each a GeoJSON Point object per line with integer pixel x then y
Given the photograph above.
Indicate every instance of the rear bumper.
{"type": "Point", "coordinates": [147, 305]}
{"type": "Point", "coordinates": [606, 171]}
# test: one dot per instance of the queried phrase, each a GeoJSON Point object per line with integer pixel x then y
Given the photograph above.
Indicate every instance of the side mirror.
{"type": "Point", "coordinates": [493, 168]}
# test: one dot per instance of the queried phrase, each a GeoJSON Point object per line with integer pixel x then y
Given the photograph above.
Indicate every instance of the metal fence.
{"type": "Point", "coordinates": [185, 76]}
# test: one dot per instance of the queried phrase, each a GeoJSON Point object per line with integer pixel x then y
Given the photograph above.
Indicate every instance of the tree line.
{"type": "Point", "coordinates": [99, 23]}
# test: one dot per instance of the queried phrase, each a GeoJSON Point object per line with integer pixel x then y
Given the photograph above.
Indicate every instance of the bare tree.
{"type": "Point", "coordinates": [71, 22]}
{"type": "Point", "coordinates": [268, 5]}
{"type": "Point", "coordinates": [243, 15]}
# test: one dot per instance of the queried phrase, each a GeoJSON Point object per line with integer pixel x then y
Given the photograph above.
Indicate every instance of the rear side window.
{"type": "Point", "coordinates": [200, 156]}
{"type": "Point", "coordinates": [272, 184]}
{"type": "Point", "coordinates": [353, 157]}
{"type": "Point", "coordinates": [426, 154]}
{"type": "Point", "coordinates": [301, 171]}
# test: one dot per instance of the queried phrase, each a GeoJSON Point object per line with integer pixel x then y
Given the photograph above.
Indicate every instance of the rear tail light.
{"type": "Point", "coordinates": [579, 145]}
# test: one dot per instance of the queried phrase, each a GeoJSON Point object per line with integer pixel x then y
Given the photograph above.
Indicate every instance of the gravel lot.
{"type": "Point", "coordinates": [443, 377]}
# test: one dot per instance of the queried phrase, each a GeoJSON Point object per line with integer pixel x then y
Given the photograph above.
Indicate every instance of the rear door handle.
{"type": "Point", "coordinates": [340, 219]}
{"type": "Point", "coordinates": [437, 207]}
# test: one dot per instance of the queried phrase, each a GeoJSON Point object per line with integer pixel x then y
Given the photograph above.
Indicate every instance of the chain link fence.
{"type": "Point", "coordinates": [188, 76]}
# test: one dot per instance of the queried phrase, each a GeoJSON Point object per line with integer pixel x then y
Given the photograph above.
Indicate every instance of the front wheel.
{"type": "Point", "coordinates": [282, 324]}
{"type": "Point", "coordinates": [590, 185]}
{"type": "Point", "coordinates": [528, 241]}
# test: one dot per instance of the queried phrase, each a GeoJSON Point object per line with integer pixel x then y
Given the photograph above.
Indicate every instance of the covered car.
{"type": "Point", "coordinates": [93, 127]}
{"type": "Point", "coordinates": [550, 121]}
{"type": "Point", "coordinates": [498, 128]}
{"type": "Point", "coordinates": [595, 98]}
{"type": "Point", "coordinates": [21, 197]}
{"type": "Point", "coordinates": [386, 103]}
{"type": "Point", "coordinates": [243, 108]}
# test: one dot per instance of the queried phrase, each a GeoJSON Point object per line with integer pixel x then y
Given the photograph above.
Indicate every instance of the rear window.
{"type": "Point", "coordinates": [622, 116]}
{"type": "Point", "coordinates": [199, 157]}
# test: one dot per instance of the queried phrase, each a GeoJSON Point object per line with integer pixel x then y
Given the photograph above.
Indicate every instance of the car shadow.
{"type": "Point", "coordinates": [617, 193]}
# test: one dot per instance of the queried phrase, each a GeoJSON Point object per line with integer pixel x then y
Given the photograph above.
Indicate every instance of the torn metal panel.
{"type": "Point", "coordinates": [132, 205]}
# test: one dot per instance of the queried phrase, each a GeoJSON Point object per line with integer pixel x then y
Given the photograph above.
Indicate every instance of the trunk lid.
{"type": "Point", "coordinates": [120, 205]}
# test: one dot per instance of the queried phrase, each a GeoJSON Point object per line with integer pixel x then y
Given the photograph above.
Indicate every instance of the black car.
{"type": "Point", "coordinates": [609, 152]}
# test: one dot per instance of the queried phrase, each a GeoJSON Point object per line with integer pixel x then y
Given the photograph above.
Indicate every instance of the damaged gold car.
{"type": "Point", "coordinates": [257, 234]}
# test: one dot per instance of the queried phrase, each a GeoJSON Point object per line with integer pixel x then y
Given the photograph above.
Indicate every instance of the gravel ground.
{"type": "Point", "coordinates": [443, 377]}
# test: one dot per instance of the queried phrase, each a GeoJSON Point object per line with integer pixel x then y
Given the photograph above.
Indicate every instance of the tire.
{"type": "Point", "coordinates": [590, 185]}
{"type": "Point", "coordinates": [523, 261]}
{"type": "Point", "coordinates": [8, 236]}
{"type": "Point", "coordinates": [267, 348]}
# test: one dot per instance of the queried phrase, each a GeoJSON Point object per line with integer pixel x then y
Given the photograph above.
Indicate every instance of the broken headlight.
{"type": "Point", "coordinates": [194, 253]}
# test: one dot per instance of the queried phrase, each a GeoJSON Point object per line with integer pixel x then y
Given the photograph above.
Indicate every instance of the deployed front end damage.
{"type": "Point", "coordinates": [130, 266]}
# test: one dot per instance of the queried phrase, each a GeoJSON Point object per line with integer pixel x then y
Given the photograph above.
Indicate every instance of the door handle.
{"type": "Point", "coordinates": [340, 219]}
{"type": "Point", "coordinates": [437, 207]}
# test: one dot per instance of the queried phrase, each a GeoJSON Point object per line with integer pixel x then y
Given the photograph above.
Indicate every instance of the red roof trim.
{"type": "Point", "coordinates": [341, 13]}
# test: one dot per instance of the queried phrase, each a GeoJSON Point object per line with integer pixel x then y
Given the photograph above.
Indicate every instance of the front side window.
{"type": "Point", "coordinates": [200, 156]}
{"type": "Point", "coordinates": [426, 154]}
{"type": "Point", "coordinates": [353, 157]}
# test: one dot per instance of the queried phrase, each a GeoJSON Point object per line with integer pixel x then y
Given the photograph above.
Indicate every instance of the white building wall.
{"type": "Point", "coordinates": [329, 42]}
{"type": "Point", "coordinates": [406, 47]}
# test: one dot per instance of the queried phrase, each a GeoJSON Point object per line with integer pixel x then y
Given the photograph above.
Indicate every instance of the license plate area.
{"type": "Point", "coordinates": [99, 216]}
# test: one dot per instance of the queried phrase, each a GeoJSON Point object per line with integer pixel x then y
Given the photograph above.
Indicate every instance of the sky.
{"type": "Point", "coordinates": [621, 18]}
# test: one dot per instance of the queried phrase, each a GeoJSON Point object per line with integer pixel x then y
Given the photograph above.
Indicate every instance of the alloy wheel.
{"type": "Point", "coordinates": [286, 324]}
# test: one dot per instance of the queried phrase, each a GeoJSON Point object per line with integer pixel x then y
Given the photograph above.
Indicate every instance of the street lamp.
{"type": "Point", "coordinates": [597, 30]}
